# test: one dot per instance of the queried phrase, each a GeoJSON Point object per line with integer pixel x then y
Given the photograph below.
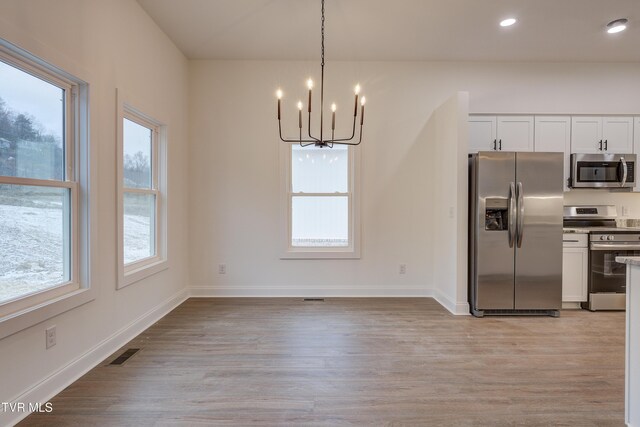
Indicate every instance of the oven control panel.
{"type": "Point", "coordinates": [621, 237]}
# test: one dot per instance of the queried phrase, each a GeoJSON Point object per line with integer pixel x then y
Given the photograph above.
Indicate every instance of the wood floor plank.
{"type": "Point", "coordinates": [386, 361]}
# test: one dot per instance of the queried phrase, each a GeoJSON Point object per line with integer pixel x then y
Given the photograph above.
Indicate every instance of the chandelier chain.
{"type": "Point", "coordinates": [322, 32]}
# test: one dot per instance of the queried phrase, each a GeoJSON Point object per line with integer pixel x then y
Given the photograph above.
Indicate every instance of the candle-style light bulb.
{"type": "Point", "coordinates": [357, 89]}
{"type": "Point", "coordinates": [333, 116]}
{"type": "Point", "coordinates": [364, 100]}
{"type": "Point", "coordinates": [299, 105]}
{"type": "Point", "coordinates": [279, 95]}
{"type": "Point", "coordinates": [300, 114]}
{"type": "Point", "coordinates": [310, 86]}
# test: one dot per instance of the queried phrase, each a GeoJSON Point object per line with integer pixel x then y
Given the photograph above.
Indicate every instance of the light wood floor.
{"type": "Point", "coordinates": [355, 362]}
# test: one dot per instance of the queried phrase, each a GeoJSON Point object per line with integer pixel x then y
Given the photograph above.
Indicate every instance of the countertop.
{"type": "Point", "coordinates": [575, 230]}
{"type": "Point", "coordinates": [630, 260]}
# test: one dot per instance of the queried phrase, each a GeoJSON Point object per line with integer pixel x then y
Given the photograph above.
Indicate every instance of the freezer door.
{"type": "Point", "coordinates": [538, 272]}
{"type": "Point", "coordinates": [493, 249]}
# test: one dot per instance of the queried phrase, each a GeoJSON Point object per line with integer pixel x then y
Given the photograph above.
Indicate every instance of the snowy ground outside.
{"type": "Point", "coordinates": [31, 245]}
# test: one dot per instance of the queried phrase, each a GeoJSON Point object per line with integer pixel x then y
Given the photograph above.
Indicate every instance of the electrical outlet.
{"type": "Point", "coordinates": [50, 334]}
{"type": "Point", "coordinates": [625, 210]}
{"type": "Point", "coordinates": [222, 268]}
{"type": "Point", "coordinates": [403, 269]}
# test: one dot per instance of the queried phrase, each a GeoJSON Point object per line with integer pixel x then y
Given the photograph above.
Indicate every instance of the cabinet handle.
{"type": "Point", "coordinates": [606, 144]}
{"type": "Point", "coordinates": [494, 145]}
{"type": "Point", "coordinates": [500, 145]}
{"type": "Point", "coordinates": [600, 145]}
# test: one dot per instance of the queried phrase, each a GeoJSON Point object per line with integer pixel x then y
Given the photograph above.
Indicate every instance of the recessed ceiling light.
{"type": "Point", "coordinates": [617, 26]}
{"type": "Point", "coordinates": [508, 22]}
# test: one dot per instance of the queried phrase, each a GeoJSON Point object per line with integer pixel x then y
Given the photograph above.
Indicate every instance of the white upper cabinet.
{"type": "Point", "coordinates": [595, 134]}
{"type": "Point", "coordinates": [553, 134]}
{"type": "Point", "coordinates": [482, 133]}
{"type": "Point", "coordinates": [500, 133]}
{"type": "Point", "coordinates": [618, 134]}
{"type": "Point", "coordinates": [515, 133]}
{"type": "Point", "coordinates": [636, 148]}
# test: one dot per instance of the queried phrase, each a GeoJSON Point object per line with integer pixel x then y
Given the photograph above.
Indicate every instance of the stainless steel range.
{"type": "Point", "coordinates": [607, 279]}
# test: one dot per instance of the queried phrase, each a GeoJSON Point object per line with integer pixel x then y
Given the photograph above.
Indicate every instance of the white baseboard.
{"type": "Point", "coordinates": [324, 292]}
{"type": "Point", "coordinates": [459, 309]}
{"type": "Point", "coordinates": [63, 377]}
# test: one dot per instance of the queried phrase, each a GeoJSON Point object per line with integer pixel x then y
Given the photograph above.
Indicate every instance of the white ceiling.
{"type": "Point", "coordinates": [548, 30]}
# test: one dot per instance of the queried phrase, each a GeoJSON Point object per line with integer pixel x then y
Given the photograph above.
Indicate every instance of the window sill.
{"type": "Point", "coordinates": [133, 273]}
{"type": "Point", "coordinates": [16, 322]}
{"type": "Point", "coordinates": [315, 253]}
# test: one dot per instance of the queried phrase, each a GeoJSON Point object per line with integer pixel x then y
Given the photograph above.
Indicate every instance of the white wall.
{"type": "Point", "coordinates": [234, 211]}
{"type": "Point", "coordinates": [447, 138]}
{"type": "Point", "coordinates": [110, 44]}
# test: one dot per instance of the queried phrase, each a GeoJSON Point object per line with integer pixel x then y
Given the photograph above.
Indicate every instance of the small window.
{"type": "Point", "coordinates": [321, 202]}
{"type": "Point", "coordinates": [40, 207]}
{"type": "Point", "coordinates": [142, 196]}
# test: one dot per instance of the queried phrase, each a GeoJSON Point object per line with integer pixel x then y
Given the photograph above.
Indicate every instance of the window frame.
{"type": "Point", "coordinates": [138, 270]}
{"type": "Point", "coordinates": [352, 251]}
{"type": "Point", "coordinates": [31, 308]}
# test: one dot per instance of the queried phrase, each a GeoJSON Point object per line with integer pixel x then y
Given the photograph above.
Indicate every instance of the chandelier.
{"type": "Point", "coordinates": [321, 141]}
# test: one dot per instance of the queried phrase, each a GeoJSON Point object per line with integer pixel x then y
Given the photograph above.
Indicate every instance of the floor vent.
{"type": "Point", "coordinates": [314, 299]}
{"type": "Point", "coordinates": [124, 356]}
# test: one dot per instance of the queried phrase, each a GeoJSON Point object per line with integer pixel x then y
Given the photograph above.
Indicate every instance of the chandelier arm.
{"type": "Point", "coordinates": [311, 136]}
{"type": "Point", "coordinates": [343, 141]}
{"type": "Point", "coordinates": [353, 134]}
{"type": "Point", "coordinates": [292, 140]}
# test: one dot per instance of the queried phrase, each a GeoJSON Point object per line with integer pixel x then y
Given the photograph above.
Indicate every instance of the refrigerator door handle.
{"type": "Point", "coordinates": [512, 214]}
{"type": "Point", "coordinates": [520, 221]}
{"type": "Point", "coordinates": [624, 171]}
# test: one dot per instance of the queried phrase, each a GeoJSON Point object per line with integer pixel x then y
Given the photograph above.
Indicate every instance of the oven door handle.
{"type": "Point", "coordinates": [614, 247]}
{"type": "Point", "coordinates": [624, 171]}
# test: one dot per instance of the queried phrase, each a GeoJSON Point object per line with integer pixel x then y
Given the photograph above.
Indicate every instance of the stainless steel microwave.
{"type": "Point", "coordinates": [603, 170]}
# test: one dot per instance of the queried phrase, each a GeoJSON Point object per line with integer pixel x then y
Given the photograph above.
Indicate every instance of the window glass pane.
{"type": "Point", "coordinates": [320, 221]}
{"type": "Point", "coordinates": [34, 239]}
{"type": "Point", "coordinates": [139, 226]}
{"type": "Point", "coordinates": [137, 155]}
{"type": "Point", "coordinates": [31, 126]}
{"type": "Point", "coordinates": [319, 170]}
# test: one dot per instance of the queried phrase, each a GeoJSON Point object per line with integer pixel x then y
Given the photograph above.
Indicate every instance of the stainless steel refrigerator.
{"type": "Point", "coordinates": [515, 233]}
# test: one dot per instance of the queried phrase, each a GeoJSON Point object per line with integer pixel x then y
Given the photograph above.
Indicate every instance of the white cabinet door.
{"type": "Point", "coordinates": [596, 134]}
{"type": "Point", "coordinates": [553, 134]}
{"type": "Point", "coordinates": [482, 133]}
{"type": "Point", "coordinates": [617, 133]}
{"type": "Point", "coordinates": [575, 264]}
{"type": "Point", "coordinates": [586, 134]}
{"type": "Point", "coordinates": [636, 148]}
{"type": "Point", "coordinates": [515, 133]}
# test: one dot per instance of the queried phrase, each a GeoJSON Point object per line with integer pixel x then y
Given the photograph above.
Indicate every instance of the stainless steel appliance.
{"type": "Point", "coordinates": [607, 278]}
{"type": "Point", "coordinates": [603, 171]}
{"type": "Point", "coordinates": [515, 233]}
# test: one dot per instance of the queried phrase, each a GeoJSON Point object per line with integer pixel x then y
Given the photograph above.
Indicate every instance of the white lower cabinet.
{"type": "Point", "coordinates": [575, 268]}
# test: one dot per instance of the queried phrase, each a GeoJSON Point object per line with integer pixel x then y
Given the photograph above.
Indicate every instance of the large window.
{"type": "Point", "coordinates": [142, 197]}
{"type": "Point", "coordinates": [39, 187]}
{"type": "Point", "coordinates": [321, 202]}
